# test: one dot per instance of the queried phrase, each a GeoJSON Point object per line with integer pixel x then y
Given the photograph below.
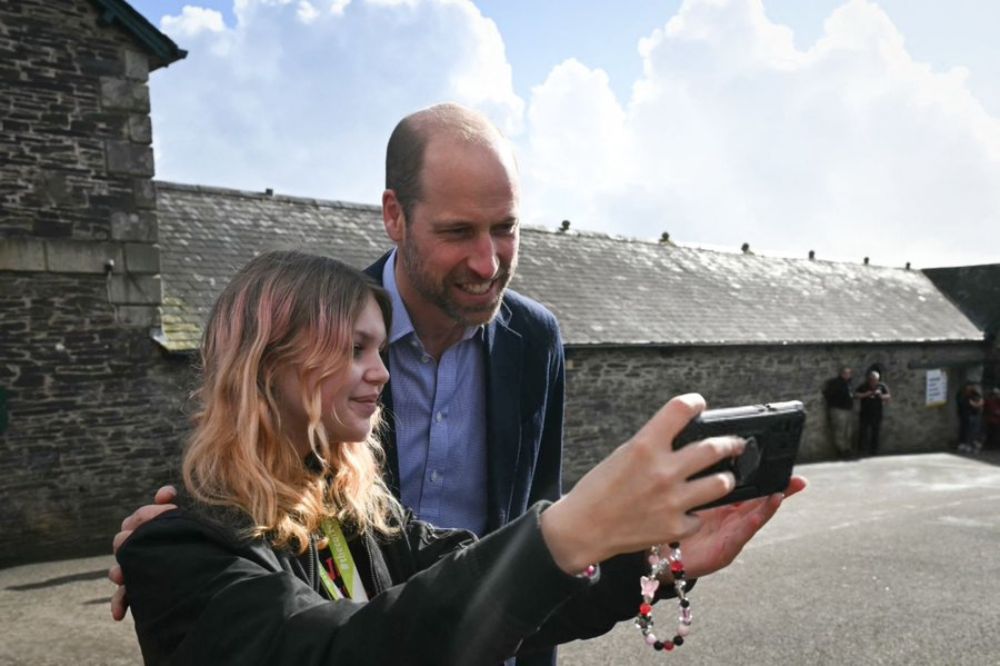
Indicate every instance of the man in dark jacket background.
{"type": "Point", "coordinates": [839, 412]}
{"type": "Point", "coordinates": [872, 394]}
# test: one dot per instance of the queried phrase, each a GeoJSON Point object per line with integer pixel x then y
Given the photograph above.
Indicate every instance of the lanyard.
{"type": "Point", "coordinates": [339, 574]}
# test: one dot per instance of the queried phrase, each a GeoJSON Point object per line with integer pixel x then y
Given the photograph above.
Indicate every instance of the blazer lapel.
{"type": "Point", "coordinates": [503, 349]}
{"type": "Point", "coordinates": [387, 433]}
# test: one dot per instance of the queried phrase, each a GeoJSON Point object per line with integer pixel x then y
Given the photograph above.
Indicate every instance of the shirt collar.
{"type": "Point", "coordinates": [402, 326]}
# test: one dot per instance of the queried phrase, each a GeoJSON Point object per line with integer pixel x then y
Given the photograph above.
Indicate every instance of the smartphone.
{"type": "Point", "coordinates": [772, 432]}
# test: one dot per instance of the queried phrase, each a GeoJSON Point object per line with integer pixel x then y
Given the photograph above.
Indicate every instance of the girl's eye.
{"type": "Point", "coordinates": [358, 349]}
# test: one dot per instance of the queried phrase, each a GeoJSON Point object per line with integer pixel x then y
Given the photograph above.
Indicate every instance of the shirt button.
{"type": "Point", "coordinates": [435, 476]}
{"type": "Point", "coordinates": [438, 417]}
{"type": "Point", "coordinates": [425, 359]}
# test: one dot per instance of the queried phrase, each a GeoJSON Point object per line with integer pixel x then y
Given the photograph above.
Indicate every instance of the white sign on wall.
{"type": "Point", "coordinates": [937, 388]}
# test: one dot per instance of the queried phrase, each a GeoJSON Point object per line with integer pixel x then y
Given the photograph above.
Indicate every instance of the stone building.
{"type": "Point", "coordinates": [107, 275]}
{"type": "Point", "coordinates": [79, 274]}
{"type": "Point", "coordinates": [641, 321]}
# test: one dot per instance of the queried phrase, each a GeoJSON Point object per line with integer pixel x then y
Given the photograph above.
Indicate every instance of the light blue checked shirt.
{"type": "Point", "coordinates": [440, 418]}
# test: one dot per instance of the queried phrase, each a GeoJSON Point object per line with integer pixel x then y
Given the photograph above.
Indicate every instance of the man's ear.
{"type": "Point", "coordinates": [392, 216]}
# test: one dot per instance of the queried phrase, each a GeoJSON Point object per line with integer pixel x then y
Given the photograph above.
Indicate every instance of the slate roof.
{"type": "Point", "coordinates": [975, 290]}
{"type": "Point", "coordinates": [207, 234]}
{"type": "Point", "coordinates": [604, 290]}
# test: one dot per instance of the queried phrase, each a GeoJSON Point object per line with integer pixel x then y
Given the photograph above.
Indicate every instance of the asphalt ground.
{"type": "Point", "coordinates": [890, 560]}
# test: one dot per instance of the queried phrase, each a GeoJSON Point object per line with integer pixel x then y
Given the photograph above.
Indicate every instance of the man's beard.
{"type": "Point", "coordinates": [438, 294]}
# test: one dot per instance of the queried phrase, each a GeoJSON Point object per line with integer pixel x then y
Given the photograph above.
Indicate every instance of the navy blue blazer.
{"type": "Point", "coordinates": [525, 387]}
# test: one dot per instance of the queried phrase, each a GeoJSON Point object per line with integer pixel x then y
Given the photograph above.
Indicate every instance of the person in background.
{"type": "Point", "coordinates": [969, 404]}
{"type": "Point", "coordinates": [872, 395]}
{"type": "Point", "coordinates": [839, 411]}
{"type": "Point", "coordinates": [991, 416]}
{"type": "Point", "coordinates": [291, 549]}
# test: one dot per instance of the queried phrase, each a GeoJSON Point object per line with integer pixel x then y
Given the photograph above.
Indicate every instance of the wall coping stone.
{"type": "Point", "coordinates": [71, 256]}
{"type": "Point", "coordinates": [22, 254]}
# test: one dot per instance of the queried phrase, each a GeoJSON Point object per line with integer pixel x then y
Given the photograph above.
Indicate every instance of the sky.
{"type": "Point", "coordinates": [851, 128]}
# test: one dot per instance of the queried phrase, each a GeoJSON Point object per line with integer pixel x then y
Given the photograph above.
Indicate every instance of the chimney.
{"type": "Point", "coordinates": [866, 261]}
{"type": "Point", "coordinates": [746, 248]}
{"type": "Point", "coordinates": [564, 227]}
{"type": "Point", "coordinates": [665, 238]}
{"type": "Point", "coordinates": [812, 255]}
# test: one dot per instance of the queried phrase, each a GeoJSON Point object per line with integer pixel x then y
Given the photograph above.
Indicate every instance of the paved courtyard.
{"type": "Point", "coordinates": [892, 560]}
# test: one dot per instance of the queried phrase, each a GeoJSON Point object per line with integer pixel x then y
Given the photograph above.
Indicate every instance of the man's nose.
{"type": "Point", "coordinates": [484, 260]}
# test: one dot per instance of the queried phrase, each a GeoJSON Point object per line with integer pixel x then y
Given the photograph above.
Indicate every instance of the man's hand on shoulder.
{"type": "Point", "coordinates": [163, 501]}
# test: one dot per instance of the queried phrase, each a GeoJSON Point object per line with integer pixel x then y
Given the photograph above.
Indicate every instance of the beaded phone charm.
{"type": "Point", "coordinates": [649, 584]}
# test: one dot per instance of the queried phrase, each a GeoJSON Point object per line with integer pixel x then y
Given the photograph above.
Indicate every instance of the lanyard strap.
{"type": "Point", "coordinates": [346, 572]}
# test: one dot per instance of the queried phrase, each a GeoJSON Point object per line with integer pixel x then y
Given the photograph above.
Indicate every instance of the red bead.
{"type": "Point", "coordinates": [645, 609]}
{"type": "Point", "coordinates": [668, 646]}
{"type": "Point", "coordinates": [676, 566]}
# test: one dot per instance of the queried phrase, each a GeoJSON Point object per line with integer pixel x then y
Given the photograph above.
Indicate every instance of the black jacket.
{"type": "Point", "coordinates": [201, 594]}
{"type": "Point", "coordinates": [838, 394]}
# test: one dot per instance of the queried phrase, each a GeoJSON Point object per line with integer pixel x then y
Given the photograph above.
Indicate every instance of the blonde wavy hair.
{"type": "Point", "coordinates": [284, 309]}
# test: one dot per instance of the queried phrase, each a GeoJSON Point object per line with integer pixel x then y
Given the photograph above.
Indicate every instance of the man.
{"type": "Point", "coordinates": [969, 402]}
{"type": "Point", "coordinates": [477, 371]}
{"type": "Point", "coordinates": [839, 405]}
{"type": "Point", "coordinates": [872, 394]}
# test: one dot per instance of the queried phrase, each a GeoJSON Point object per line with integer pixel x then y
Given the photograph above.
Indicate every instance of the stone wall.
{"type": "Point", "coordinates": [610, 392]}
{"type": "Point", "coordinates": [96, 416]}
{"type": "Point", "coordinates": [89, 402]}
{"type": "Point", "coordinates": [75, 153]}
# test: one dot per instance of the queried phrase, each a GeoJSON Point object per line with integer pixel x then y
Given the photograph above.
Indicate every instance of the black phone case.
{"type": "Point", "coordinates": [772, 431]}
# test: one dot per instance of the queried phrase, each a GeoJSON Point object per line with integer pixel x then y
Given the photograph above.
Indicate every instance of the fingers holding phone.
{"type": "Point", "coordinates": [692, 460]}
{"type": "Point", "coordinates": [644, 492]}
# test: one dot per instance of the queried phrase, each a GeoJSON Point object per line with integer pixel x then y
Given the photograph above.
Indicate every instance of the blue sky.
{"type": "Point", "coordinates": [853, 128]}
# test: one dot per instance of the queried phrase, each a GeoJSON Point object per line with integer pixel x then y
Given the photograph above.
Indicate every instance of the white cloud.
{"type": "Point", "coordinates": [850, 148]}
{"type": "Point", "coordinates": [306, 12]}
{"type": "Point", "coordinates": [338, 6]}
{"type": "Point", "coordinates": [301, 96]}
{"type": "Point", "coordinates": [192, 21]}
